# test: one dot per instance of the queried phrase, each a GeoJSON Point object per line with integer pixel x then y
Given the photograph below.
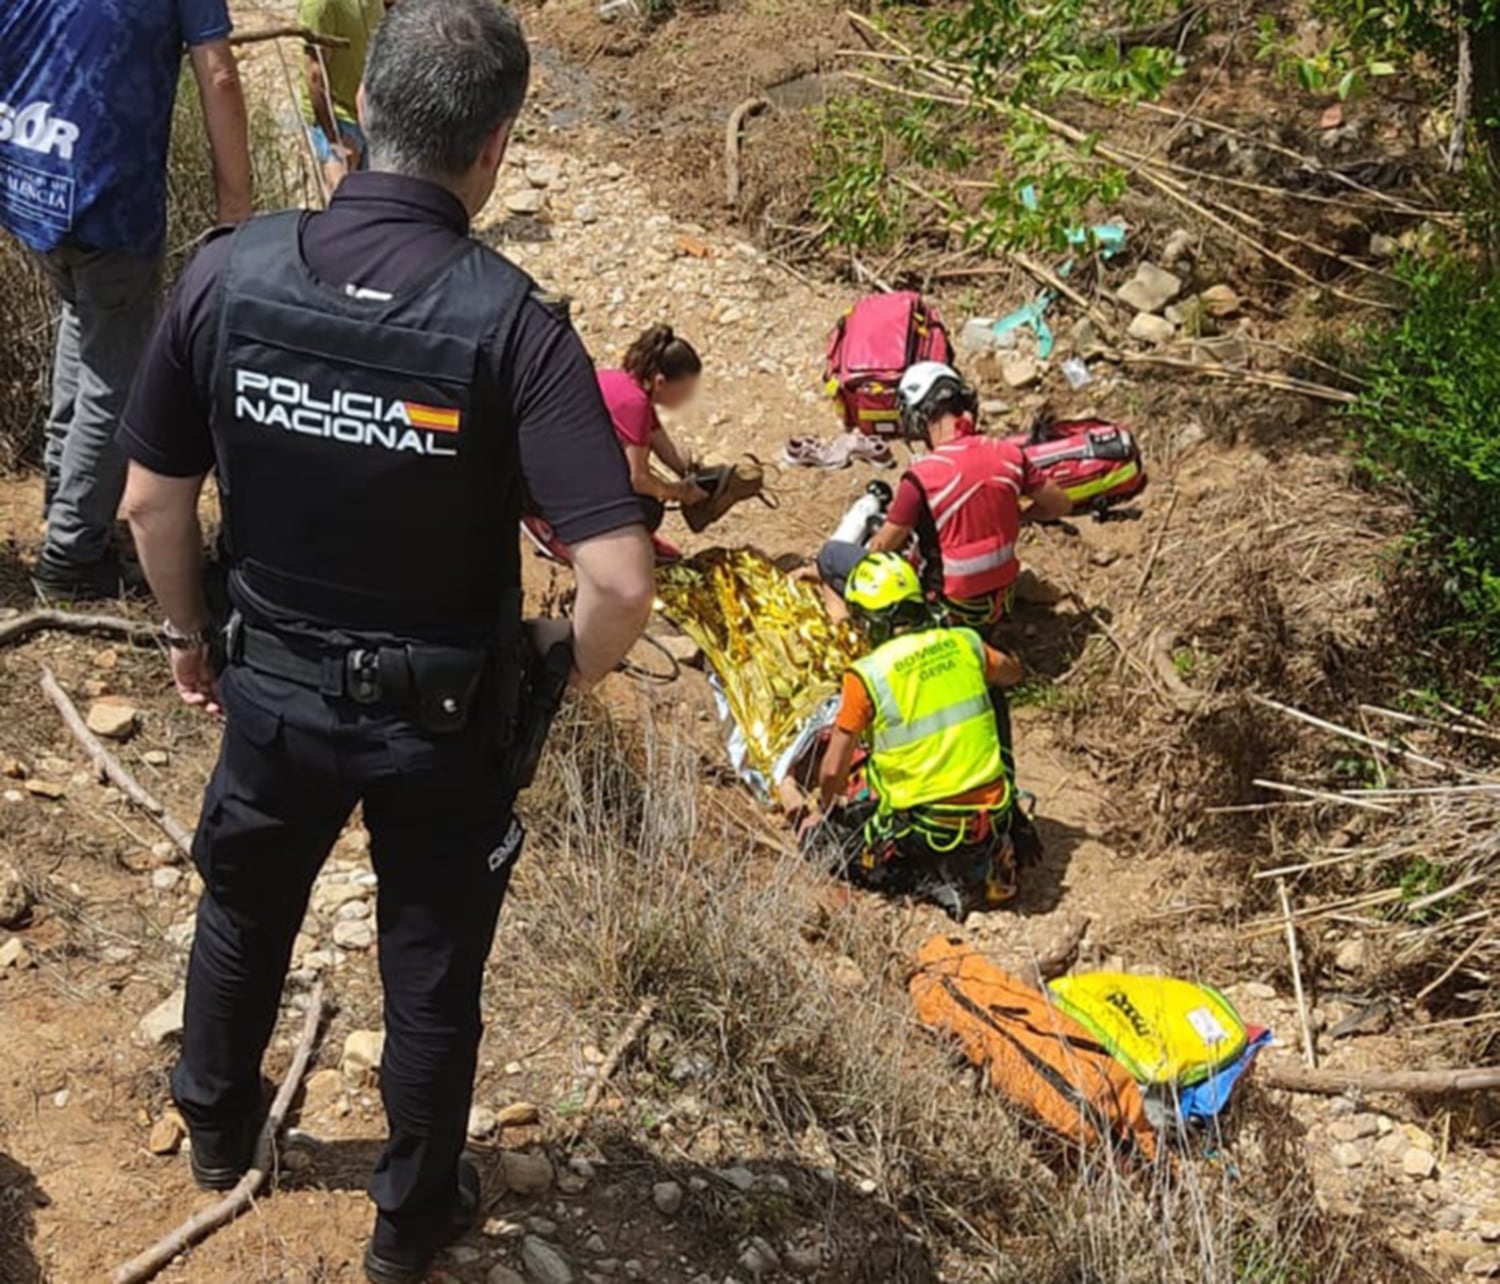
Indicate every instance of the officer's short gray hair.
{"type": "Point", "coordinates": [442, 75]}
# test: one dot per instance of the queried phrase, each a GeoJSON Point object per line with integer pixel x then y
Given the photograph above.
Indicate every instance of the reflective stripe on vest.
{"type": "Point", "coordinates": [934, 735]}
{"type": "Point", "coordinates": [930, 724]}
{"type": "Point", "coordinates": [978, 564]}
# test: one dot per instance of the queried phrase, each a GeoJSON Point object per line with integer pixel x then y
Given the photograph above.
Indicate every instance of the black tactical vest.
{"type": "Point", "coordinates": [367, 465]}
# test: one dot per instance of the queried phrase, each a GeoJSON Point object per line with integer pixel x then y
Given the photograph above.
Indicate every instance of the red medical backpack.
{"type": "Point", "coordinates": [869, 350]}
{"type": "Point", "coordinates": [1099, 464]}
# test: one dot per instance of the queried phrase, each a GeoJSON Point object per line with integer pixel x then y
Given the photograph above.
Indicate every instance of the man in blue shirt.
{"type": "Point", "coordinates": [87, 89]}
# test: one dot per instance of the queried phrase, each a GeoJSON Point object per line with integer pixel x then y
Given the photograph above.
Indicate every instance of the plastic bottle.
{"type": "Point", "coordinates": [1075, 370]}
{"type": "Point", "coordinates": [865, 515]}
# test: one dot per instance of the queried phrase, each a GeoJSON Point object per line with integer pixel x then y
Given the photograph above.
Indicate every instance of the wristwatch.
{"type": "Point", "coordinates": [177, 640]}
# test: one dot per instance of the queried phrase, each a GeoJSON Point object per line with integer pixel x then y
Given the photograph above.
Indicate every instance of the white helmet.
{"type": "Point", "coordinates": [924, 390]}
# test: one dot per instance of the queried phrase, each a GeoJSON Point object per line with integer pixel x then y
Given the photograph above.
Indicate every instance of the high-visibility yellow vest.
{"type": "Point", "coordinates": [934, 734]}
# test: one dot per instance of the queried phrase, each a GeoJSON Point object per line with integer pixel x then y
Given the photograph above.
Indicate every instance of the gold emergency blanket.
{"type": "Point", "coordinates": [768, 639]}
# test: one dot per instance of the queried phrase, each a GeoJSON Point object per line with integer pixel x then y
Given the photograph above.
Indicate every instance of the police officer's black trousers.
{"type": "Point", "coordinates": [291, 769]}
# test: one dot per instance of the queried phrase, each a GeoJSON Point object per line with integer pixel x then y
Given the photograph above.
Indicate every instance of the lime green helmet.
{"type": "Point", "coordinates": [882, 587]}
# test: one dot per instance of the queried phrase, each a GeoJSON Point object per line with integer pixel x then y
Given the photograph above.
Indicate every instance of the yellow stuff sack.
{"type": "Point", "coordinates": [1160, 1029]}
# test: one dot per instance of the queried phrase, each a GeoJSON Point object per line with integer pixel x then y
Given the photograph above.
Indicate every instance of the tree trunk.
{"type": "Point", "coordinates": [1484, 53]}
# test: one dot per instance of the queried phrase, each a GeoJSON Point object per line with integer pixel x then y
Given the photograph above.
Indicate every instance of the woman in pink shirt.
{"type": "Point", "coordinates": [659, 370]}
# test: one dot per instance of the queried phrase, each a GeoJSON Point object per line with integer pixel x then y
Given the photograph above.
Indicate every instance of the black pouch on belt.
{"type": "Point", "coordinates": [444, 680]}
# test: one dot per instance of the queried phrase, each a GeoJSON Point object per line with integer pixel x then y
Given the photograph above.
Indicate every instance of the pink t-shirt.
{"type": "Point", "coordinates": [629, 407]}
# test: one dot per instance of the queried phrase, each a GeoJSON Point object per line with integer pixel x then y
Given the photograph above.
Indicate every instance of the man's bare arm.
{"type": "Point", "coordinates": [218, 77]}
{"type": "Point", "coordinates": [163, 516]}
{"type": "Point", "coordinates": [1048, 503]}
{"type": "Point", "coordinates": [833, 775]}
{"type": "Point", "coordinates": [616, 586]}
{"type": "Point", "coordinates": [890, 538]}
{"type": "Point", "coordinates": [322, 102]}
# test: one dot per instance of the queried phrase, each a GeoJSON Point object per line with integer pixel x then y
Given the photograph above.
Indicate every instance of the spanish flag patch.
{"type": "Point", "coordinates": [432, 418]}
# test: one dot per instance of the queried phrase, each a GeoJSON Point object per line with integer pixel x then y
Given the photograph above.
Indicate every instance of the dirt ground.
{"type": "Point", "coordinates": [81, 1091]}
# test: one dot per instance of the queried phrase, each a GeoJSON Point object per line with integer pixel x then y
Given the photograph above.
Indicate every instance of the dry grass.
{"type": "Point", "coordinates": [27, 317]}
{"type": "Point", "coordinates": [1274, 586]}
{"type": "Point", "coordinates": [1417, 878]}
{"type": "Point", "coordinates": [791, 1000]}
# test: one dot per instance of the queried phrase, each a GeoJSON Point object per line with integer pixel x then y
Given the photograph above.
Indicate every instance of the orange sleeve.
{"type": "Point", "coordinates": [856, 713]}
{"type": "Point", "coordinates": [996, 666]}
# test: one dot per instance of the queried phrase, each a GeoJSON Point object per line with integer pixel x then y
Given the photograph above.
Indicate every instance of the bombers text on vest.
{"type": "Point", "coordinates": [368, 469]}
{"type": "Point", "coordinates": [971, 486]}
{"type": "Point", "coordinates": [934, 734]}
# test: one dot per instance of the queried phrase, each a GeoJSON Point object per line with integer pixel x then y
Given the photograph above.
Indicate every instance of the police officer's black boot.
{"type": "Point", "coordinates": [392, 1259]}
{"type": "Point", "coordinates": [218, 1158]}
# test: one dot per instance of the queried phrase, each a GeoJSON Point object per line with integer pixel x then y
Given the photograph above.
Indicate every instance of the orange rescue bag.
{"type": "Point", "coordinates": [1041, 1059]}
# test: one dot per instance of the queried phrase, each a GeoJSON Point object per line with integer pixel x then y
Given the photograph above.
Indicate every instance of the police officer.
{"type": "Point", "coordinates": [374, 392]}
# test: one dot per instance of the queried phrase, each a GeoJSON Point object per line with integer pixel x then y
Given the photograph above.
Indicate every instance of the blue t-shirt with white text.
{"type": "Point", "coordinates": [86, 95]}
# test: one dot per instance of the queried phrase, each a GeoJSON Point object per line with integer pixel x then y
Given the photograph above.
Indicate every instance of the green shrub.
{"type": "Point", "coordinates": [1427, 425]}
{"type": "Point", "coordinates": [955, 136]}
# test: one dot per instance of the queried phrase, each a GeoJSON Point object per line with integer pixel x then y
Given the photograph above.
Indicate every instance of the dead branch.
{"type": "Point", "coordinates": [204, 1223]}
{"type": "Point", "coordinates": [1334, 1083]}
{"type": "Point", "coordinates": [1308, 163]}
{"type": "Point", "coordinates": [870, 275]}
{"type": "Point", "coordinates": [23, 626]}
{"type": "Point", "coordinates": [1270, 926]}
{"type": "Point", "coordinates": [1040, 271]}
{"type": "Point", "coordinates": [1050, 278]}
{"type": "Point", "coordinates": [1309, 1048]}
{"type": "Point", "coordinates": [1161, 534]}
{"type": "Point", "coordinates": [305, 34]}
{"type": "Point", "coordinates": [733, 140]}
{"type": "Point", "coordinates": [1385, 746]}
{"type": "Point", "coordinates": [611, 1063]}
{"type": "Point", "coordinates": [1213, 370]}
{"type": "Point", "coordinates": [109, 768]}
{"type": "Point", "coordinates": [935, 69]}
{"type": "Point", "coordinates": [1169, 33]}
{"type": "Point", "coordinates": [1433, 724]}
{"type": "Point", "coordinates": [315, 167]}
{"type": "Point", "coordinates": [1433, 986]}
{"type": "Point", "coordinates": [1324, 796]}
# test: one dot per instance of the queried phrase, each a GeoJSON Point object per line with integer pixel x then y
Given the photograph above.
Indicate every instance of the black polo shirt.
{"type": "Point", "coordinates": [385, 232]}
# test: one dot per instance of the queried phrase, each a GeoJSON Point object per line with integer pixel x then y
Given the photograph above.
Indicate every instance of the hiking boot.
{"type": "Point", "coordinates": [108, 579]}
{"type": "Point", "coordinates": [219, 1157]}
{"type": "Point", "coordinates": [727, 485]}
{"type": "Point", "coordinates": [391, 1260]}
